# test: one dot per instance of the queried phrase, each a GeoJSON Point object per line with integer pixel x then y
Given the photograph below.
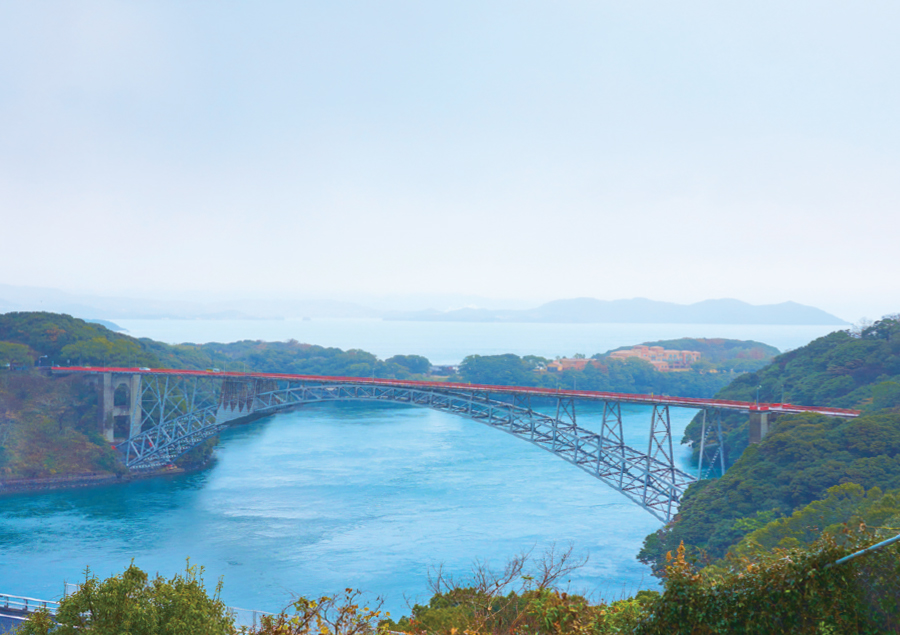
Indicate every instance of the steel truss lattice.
{"type": "Point", "coordinates": [177, 414]}
{"type": "Point", "coordinates": [719, 445]}
{"type": "Point", "coordinates": [180, 413]}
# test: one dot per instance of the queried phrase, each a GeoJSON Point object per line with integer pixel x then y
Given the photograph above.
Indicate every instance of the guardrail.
{"type": "Point", "coordinates": [880, 545]}
{"type": "Point", "coordinates": [246, 617]}
{"type": "Point", "coordinates": [22, 604]}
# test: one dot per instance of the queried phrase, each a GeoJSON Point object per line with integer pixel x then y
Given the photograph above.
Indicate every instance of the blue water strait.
{"type": "Point", "coordinates": [369, 496]}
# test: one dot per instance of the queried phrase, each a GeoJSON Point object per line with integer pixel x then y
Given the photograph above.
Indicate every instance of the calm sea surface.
{"type": "Point", "coordinates": [363, 495]}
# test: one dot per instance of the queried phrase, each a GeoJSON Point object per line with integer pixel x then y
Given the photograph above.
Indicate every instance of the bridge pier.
{"type": "Point", "coordinates": [238, 398]}
{"type": "Point", "coordinates": [120, 406]}
{"type": "Point", "coordinates": [759, 425]}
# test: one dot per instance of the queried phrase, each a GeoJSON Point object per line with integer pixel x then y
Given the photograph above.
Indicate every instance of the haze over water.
{"type": "Point", "coordinates": [450, 342]}
{"type": "Point", "coordinates": [360, 495]}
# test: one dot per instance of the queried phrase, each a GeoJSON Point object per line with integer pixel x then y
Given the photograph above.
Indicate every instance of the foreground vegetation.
{"type": "Point", "coordinates": [794, 590]}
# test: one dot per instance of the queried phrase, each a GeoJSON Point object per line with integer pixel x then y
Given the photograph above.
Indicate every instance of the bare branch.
{"type": "Point", "coordinates": [555, 564]}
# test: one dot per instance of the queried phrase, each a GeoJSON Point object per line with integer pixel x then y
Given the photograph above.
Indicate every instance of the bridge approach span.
{"type": "Point", "coordinates": [176, 410]}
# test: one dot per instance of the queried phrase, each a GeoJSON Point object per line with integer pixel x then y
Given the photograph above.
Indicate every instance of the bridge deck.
{"type": "Point", "coordinates": [684, 402]}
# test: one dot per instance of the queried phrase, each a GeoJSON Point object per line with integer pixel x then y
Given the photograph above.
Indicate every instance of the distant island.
{"type": "Point", "coordinates": [571, 311]}
{"type": "Point", "coordinates": [637, 311]}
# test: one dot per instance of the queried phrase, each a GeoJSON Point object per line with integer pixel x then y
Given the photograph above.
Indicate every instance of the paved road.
{"type": "Point", "coordinates": [9, 620]}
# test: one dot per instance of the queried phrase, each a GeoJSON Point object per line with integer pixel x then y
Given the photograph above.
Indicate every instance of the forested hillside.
{"type": "Point", "coordinates": [55, 338]}
{"type": "Point", "coordinates": [52, 338]}
{"type": "Point", "coordinates": [844, 370]}
{"type": "Point", "coordinates": [630, 375]}
{"type": "Point", "coordinates": [803, 455]}
{"type": "Point", "coordinates": [843, 504]}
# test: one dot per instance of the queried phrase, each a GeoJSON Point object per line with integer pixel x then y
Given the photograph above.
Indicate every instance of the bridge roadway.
{"type": "Point", "coordinates": [552, 393]}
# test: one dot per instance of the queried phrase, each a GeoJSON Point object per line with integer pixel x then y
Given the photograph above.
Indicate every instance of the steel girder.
{"type": "Point", "coordinates": [648, 479]}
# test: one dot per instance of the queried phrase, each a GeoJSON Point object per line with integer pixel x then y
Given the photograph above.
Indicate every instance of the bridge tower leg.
{"type": "Point", "coordinates": [612, 442]}
{"type": "Point", "coordinates": [721, 440]}
{"type": "Point", "coordinates": [611, 432]}
{"type": "Point", "coordinates": [702, 447]}
{"type": "Point", "coordinates": [522, 419]}
{"type": "Point", "coordinates": [720, 447]}
{"type": "Point", "coordinates": [522, 401]}
{"type": "Point", "coordinates": [120, 405]}
{"type": "Point", "coordinates": [661, 450]}
{"type": "Point", "coordinates": [565, 409]}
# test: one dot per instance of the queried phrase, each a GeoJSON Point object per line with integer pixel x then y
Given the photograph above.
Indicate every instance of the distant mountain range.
{"type": "Point", "coordinates": [577, 310]}
{"type": "Point", "coordinates": [637, 311]}
{"type": "Point", "coordinates": [14, 298]}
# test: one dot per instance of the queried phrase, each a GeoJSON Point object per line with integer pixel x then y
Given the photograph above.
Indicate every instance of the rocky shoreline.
{"type": "Point", "coordinates": [69, 481]}
{"type": "Point", "coordinates": [89, 479]}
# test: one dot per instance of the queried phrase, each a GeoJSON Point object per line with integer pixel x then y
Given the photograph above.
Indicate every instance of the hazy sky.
{"type": "Point", "coordinates": [538, 150]}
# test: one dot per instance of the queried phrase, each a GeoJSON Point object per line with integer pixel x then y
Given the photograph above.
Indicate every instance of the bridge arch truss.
{"type": "Point", "coordinates": [180, 412]}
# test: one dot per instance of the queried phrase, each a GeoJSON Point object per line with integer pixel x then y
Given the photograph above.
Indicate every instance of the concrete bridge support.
{"type": "Point", "coordinates": [120, 406]}
{"type": "Point", "coordinates": [759, 425]}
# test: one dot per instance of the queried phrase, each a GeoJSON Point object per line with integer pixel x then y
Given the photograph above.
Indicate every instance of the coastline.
{"type": "Point", "coordinates": [89, 479]}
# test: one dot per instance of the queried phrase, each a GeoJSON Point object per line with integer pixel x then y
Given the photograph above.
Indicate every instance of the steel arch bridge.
{"type": "Point", "coordinates": [171, 412]}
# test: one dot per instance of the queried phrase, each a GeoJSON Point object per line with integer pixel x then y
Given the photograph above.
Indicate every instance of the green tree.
{"type": "Point", "coordinates": [847, 504]}
{"type": "Point", "coordinates": [501, 370]}
{"type": "Point", "coordinates": [132, 603]}
{"type": "Point", "coordinates": [415, 364]}
{"type": "Point", "coordinates": [16, 354]}
{"type": "Point", "coordinates": [885, 395]}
